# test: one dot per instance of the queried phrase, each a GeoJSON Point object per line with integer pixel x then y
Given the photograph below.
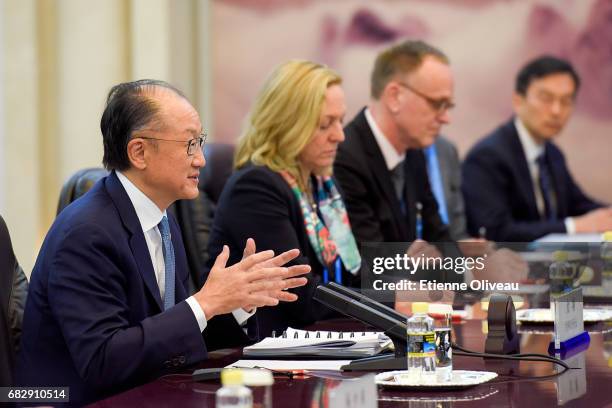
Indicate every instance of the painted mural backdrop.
{"type": "Point", "coordinates": [486, 40]}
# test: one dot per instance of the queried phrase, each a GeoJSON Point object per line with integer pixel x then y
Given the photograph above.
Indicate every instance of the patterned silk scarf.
{"type": "Point", "coordinates": [332, 236]}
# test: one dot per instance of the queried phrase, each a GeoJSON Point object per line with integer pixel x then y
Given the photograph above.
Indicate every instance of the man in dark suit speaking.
{"type": "Point", "coordinates": [515, 181]}
{"type": "Point", "coordinates": [107, 307]}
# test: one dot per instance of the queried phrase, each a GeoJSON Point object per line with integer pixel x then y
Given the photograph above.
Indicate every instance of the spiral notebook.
{"type": "Point", "coordinates": [320, 344]}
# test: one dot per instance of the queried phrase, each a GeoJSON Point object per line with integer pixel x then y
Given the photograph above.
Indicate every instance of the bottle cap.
{"type": "Point", "coordinates": [231, 376]}
{"type": "Point", "coordinates": [607, 236]}
{"type": "Point", "coordinates": [560, 256]}
{"type": "Point", "coordinates": [257, 377]}
{"type": "Point", "coordinates": [420, 307]}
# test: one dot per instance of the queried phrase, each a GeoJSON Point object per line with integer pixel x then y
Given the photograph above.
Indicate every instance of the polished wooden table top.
{"type": "Point", "coordinates": [581, 387]}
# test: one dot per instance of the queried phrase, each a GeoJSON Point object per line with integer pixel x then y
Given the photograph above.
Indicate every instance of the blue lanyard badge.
{"type": "Point", "coordinates": [419, 220]}
{"type": "Point", "coordinates": [337, 272]}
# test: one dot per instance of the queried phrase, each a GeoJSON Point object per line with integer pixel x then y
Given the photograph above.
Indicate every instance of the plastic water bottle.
{"type": "Point", "coordinates": [421, 345]}
{"type": "Point", "coordinates": [606, 257]}
{"type": "Point", "coordinates": [561, 274]}
{"type": "Point", "coordinates": [233, 394]}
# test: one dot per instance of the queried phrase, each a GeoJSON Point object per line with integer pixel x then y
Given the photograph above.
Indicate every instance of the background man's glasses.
{"type": "Point", "coordinates": [192, 144]}
{"type": "Point", "coordinates": [438, 105]}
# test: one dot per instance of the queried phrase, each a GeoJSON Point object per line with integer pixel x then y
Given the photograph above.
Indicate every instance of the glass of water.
{"type": "Point", "coordinates": [444, 352]}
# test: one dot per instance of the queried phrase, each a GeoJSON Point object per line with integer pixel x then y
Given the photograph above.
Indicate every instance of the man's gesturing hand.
{"type": "Point", "coordinates": [279, 260]}
{"type": "Point", "coordinates": [257, 280]}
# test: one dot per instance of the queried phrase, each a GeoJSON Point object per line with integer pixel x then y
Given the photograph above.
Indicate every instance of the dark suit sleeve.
{"type": "Point", "coordinates": [364, 222]}
{"type": "Point", "coordinates": [579, 202]}
{"type": "Point", "coordinates": [488, 202]}
{"type": "Point", "coordinates": [451, 166]}
{"type": "Point", "coordinates": [89, 293]}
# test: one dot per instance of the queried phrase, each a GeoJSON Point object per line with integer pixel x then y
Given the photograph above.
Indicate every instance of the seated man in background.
{"type": "Point", "coordinates": [381, 167]}
{"type": "Point", "coordinates": [107, 306]}
{"type": "Point", "coordinates": [516, 184]}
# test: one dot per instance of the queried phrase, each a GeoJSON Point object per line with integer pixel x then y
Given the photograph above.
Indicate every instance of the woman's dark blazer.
{"type": "Point", "coordinates": [258, 203]}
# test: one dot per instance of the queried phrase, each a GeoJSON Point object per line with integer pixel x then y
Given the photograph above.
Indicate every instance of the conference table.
{"type": "Point", "coordinates": [519, 384]}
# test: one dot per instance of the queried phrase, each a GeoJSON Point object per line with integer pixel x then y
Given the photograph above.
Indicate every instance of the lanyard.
{"type": "Point", "coordinates": [419, 220]}
{"type": "Point", "coordinates": [337, 272]}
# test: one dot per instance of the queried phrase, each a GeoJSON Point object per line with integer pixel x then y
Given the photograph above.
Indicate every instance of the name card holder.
{"type": "Point", "coordinates": [569, 330]}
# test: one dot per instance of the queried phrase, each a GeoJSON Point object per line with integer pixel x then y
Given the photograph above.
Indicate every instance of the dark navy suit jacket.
{"type": "Point", "coordinates": [499, 193]}
{"type": "Point", "coordinates": [93, 319]}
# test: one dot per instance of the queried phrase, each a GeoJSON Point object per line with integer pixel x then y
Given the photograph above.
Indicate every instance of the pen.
{"type": "Point", "coordinates": [287, 373]}
{"type": "Point", "coordinates": [419, 220]}
{"type": "Point", "coordinates": [291, 373]}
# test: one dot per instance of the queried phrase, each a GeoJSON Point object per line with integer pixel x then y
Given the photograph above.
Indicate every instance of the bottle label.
{"type": "Point", "coordinates": [421, 344]}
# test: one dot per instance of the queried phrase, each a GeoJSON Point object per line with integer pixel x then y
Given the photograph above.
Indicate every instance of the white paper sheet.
{"type": "Point", "coordinates": [328, 365]}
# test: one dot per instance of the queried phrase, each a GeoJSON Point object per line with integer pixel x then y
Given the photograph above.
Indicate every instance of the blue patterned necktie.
{"type": "Point", "coordinates": [546, 187]}
{"type": "Point", "coordinates": [164, 229]}
{"type": "Point", "coordinates": [435, 180]}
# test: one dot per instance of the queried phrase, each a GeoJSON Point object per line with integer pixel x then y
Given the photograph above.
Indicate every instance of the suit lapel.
{"type": "Point", "coordinates": [517, 154]}
{"type": "Point", "coordinates": [413, 192]}
{"type": "Point", "coordinates": [382, 175]}
{"type": "Point", "coordinates": [138, 244]}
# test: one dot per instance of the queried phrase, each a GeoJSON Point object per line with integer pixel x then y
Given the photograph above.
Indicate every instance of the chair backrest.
{"type": "Point", "coordinates": [195, 216]}
{"type": "Point", "coordinates": [13, 293]}
{"type": "Point", "coordinates": [219, 168]}
{"type": "Point", "coordinates": [78, 184]}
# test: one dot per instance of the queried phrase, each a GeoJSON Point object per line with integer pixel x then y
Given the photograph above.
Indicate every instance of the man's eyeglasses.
{"type": "Point", "coordinates": [192, 144]}
{"type": "Point", "coordinates": [439, 105]}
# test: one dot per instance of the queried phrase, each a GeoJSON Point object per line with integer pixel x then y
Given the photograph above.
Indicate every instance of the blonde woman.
{"type": "Point", "coordinates": [282, 193]}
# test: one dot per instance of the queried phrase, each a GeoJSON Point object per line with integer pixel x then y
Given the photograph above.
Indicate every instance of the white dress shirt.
{"type": "Point", "coordinates": [532, 151]}
{"type": "Point", "coordinates": [391, 156]}
{"type": "Point", "coordinates": [150, 216]}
